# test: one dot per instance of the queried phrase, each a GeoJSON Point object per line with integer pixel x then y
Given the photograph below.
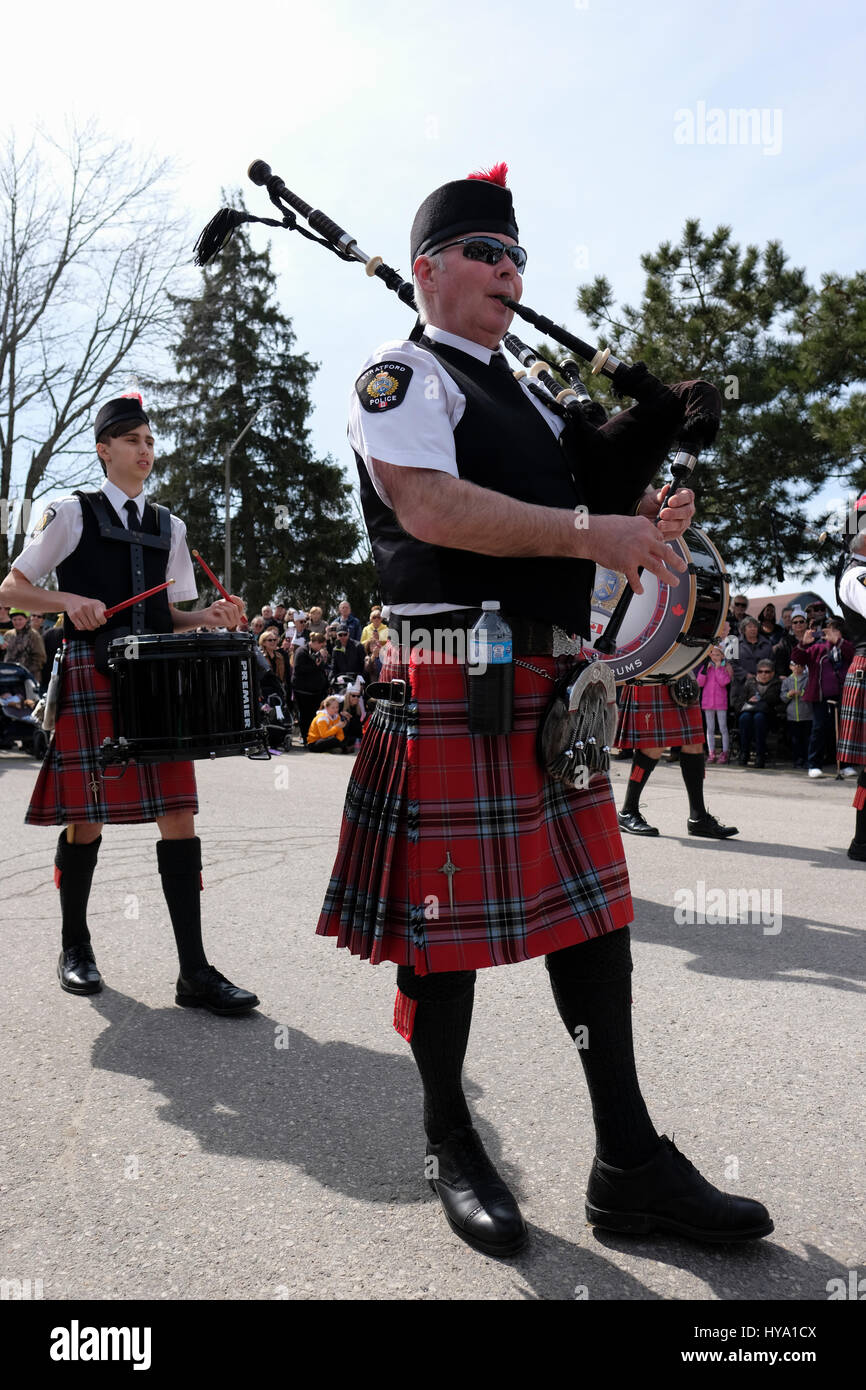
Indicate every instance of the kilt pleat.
{"type": "Point", "coordinates": [852, 721]}
{"type": "Point", "coordinates": [650, 718]}
{"type": "Point", "coordinates": [369, 883]}
{"type": "Point", "coordinates": [533, 865]}
{"type": "Point", "coordinates": [71, 784]}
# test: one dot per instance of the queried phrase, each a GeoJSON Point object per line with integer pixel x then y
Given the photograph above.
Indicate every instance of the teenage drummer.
{"type": "Point", "coordinates": [107, 546]}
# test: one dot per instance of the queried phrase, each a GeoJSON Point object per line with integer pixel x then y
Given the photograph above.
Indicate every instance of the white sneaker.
{"type": "Point", "coordinates": [815, 772]}
{"type": "Point", "coordinates": [849, 772]}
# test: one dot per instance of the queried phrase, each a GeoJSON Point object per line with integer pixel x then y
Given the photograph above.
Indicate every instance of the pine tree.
{"type": "Point", "coordinates": [292, 529]}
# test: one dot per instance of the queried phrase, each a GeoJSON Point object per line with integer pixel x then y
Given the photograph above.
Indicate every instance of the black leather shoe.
{"type": "Point", "coordinates": [710, 828]}
{"type": "Point", "coordinates": [634, 823]}
{"type": "Point", "coordinates": [479, 1207]}
{"type": "Point", "coordinates": [857, 850]}
{"type": "Point", "coordinates": [669, 1194]}
{"type": "Point", "coordinates": [208, 989]}
{"type": "Point", "coordinates": [77, 972]}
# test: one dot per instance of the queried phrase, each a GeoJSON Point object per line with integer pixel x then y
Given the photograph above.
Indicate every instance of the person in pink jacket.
{"type": "Point", "coordinates": [714, 677]}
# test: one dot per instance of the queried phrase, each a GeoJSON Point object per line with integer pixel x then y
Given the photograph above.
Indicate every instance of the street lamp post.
{"type": "Point", "coordinates": [230, 448]}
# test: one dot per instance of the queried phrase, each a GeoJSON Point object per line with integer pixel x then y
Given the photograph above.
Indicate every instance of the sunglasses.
{"type": "Point", "coordinates": [488, 250]}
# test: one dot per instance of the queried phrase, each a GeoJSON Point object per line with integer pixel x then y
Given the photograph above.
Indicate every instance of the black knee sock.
{"type": "Point", "coordinates": [641, 767]}
{"type": "Point", "coordinates": [591, 984]}
{"type": "Point", "coordinates": [860, 806]}
{"type": "Point", "coordinates": [692, 768]}
{"type": "Point", "coordinates": [433, 1014]}
{"type": "Point", "coordinates": [180, 870]}
{"type": "Point", "coordinates": [74, 865]}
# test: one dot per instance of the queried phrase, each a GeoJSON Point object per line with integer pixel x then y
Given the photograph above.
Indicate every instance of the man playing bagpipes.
{"type": "Point", "coordinates": [458, 851]}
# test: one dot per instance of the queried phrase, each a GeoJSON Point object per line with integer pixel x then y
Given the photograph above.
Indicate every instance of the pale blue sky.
{"type": "Point", "coordinates": [363, 110]}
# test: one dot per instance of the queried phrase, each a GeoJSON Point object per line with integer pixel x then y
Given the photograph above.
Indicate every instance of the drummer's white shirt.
{"type": "Point", "coordinates": [60, 530]}
{"type": "Point", "coordinates": [419, 433]}
{"type": "Point", "coordinates": [852, 589]}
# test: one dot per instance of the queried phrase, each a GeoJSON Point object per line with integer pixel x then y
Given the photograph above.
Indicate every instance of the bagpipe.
{"type": "Point", "coordinates": [665, 631]}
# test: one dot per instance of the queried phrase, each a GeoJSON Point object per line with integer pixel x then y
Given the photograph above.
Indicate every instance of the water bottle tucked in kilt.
{"type": "Point", "coordinates": [491, 673]}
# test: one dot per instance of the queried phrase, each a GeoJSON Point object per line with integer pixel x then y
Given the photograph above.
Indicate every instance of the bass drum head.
{"type": "Point", "coordinates": [648, 642]}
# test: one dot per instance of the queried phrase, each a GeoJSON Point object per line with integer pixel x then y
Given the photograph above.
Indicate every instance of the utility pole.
{"type": "Point", "coordinates": [230, 448]}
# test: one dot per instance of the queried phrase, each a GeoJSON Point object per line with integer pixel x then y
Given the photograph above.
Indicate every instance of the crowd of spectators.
{"type": "Point", "coordinates": [303, 660]}
{"type": "Point", "coordinates": [319, 668]}
{"type": "Point", "coordinates": [776, 680]}
{"type": "Point", "coordinates": [765, 681]}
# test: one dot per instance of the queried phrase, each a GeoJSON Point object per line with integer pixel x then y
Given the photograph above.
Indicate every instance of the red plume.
{"type": "Point", "coordinates": [495, 175]}
{"type": "Point", "coordinates": [132, 396]}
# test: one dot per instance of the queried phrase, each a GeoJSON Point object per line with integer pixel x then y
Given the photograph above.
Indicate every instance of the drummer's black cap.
{"type": "Point", "coordinates": [479, 203]}
{"type": "Point", "coordinates": [124, 410]}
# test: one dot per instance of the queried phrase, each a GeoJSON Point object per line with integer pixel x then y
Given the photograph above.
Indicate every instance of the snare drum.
{"type": "Point", "coordinates": [666, 631]}
{"type": "Point", "coordinates": [179, 696]}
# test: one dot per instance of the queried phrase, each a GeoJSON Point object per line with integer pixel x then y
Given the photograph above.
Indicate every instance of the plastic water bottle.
{"type": "Point", "coordinates": [491, 673]}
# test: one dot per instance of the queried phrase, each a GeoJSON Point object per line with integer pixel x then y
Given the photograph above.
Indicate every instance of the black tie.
{"type": "Point", "coordinates": [499, 361]}
{"type": "Point", "coordinates": [132, 512]}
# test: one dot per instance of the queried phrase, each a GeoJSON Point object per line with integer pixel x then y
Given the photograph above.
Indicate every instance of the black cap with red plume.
{"type": "Point", "coordinates": [127, 409]}
{"type": "Point", "coordinates": [479, 203]}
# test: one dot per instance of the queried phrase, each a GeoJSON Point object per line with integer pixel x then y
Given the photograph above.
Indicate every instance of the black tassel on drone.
{"type": "Point", "coordinates": [220, 228]}
{"type": "Point", "coordinates": [217, 232]}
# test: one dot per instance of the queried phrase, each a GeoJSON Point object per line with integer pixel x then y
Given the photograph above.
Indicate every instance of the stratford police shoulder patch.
{"type": "Point", "coordinates": [47, 517]}
{"type": "Point", "coordinates": [383, 386]}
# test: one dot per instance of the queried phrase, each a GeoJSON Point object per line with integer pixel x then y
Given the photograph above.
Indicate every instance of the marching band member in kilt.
{"type": "Point", "coordinates": [107, 546]}
{"type": "Point", "coordinates": [457, 851]}
{"type": "Point", "coordinates": [650, 720]}
{"type": "Point", "coordinates": [851, 592]}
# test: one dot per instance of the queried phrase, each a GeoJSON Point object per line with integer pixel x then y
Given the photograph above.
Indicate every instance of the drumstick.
{"type": "Point", "coordinates": [211, 576]}
{"type": "Point", "coordinates": [136, 598]}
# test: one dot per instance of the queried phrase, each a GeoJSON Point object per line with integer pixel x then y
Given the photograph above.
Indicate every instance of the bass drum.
{"type": "Point", "coordinates": [666, 631]}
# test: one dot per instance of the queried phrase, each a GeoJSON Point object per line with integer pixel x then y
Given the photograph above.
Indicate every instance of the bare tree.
{"type": "Point", "coordinates": [87, 250]}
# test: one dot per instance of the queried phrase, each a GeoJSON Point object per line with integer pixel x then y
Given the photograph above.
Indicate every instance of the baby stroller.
{"type": "Point", "coordinates": [276, 713]}
{"type": "Point", "coordinates": [18, 696]}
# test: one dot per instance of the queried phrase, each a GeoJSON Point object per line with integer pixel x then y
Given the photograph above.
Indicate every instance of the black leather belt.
{"type": "Point", "coordinates": [529, 637]}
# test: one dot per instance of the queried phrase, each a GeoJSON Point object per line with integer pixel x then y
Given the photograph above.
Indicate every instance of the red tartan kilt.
{"type": "Point", "coordinates": [539, 866]}
{"type": "Point", "coordinates": [64, 787]}
{"type": "Point", "coordinates": [852, 721]}
{"type": "Point", "coordinates": [649, 717]}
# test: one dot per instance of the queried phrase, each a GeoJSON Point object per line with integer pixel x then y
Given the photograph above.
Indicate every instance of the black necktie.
{"type": "Point", "coordinates": [132, 512]}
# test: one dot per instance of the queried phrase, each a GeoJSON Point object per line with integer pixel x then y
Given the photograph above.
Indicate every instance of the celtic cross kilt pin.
{"type": "Point", "coordinates": [457, 851]}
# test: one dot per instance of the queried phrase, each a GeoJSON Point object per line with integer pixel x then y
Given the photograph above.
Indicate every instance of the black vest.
{"type": "Point", "coordinates": [854, 621]}
{"type": "Point", "coordinates": [112, 563]}
{"type": "Point", "coordinates": [502, 444]}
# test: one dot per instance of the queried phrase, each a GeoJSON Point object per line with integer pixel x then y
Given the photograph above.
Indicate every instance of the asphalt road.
{"type": "Point", "coordinates": [161, 1153]}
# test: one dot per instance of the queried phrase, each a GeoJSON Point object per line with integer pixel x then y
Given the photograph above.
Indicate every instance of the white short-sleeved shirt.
{"type": "Point", "coordinates": [419, 433]}
{"type": "Point", "coordinates": [60, 529]}
{"type": "Point", "coordinates": [852, 589]}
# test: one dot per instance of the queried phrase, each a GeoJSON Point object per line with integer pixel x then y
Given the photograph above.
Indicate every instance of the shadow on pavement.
{"type": "Point", "coordinates": [805, 950]}
{"type": "Point", "coordinates": [349, 1117]}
